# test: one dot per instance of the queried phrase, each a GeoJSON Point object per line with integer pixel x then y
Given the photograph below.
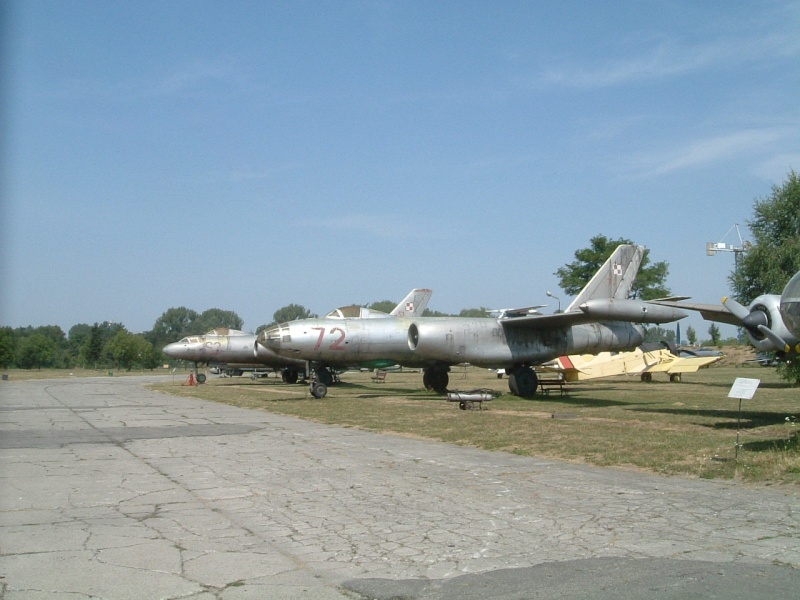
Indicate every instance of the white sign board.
{"type": "Point", "coordinates": [744, 388]}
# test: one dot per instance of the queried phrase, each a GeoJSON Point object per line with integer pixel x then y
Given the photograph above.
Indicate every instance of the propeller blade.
{"type": "Point", "coordinates": [737, 309]}
{"type": "Point", "coordinates": [774, 338]}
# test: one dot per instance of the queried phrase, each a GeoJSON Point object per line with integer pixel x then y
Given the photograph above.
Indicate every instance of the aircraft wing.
{"type": "Point", "coordinates": [544, 322]}
{"type": "Point", "coordinates": [598, 310]}
{"type": "Point", "coordinates": [683, 365]}
{"type": "Point", "coordinates": [710, 312]}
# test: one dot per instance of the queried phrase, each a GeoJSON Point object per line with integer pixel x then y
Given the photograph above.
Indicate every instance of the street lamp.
{"type": "Point", "coordinates": [550, 295]}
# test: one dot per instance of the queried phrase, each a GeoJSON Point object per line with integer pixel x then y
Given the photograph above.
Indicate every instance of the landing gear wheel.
{"type": "Point", "coordinates": [319, 390]}
{"type": "Point", "coordinates": [436, 379]}
{"type": "Point", "coordinates": [440, 382]}
{"type": "Point", "coordinates": [201, 378]}
{"type": "Point", "coordinates": [674, 377]}
{"type": "Point", "coordinates": [522, 382]}
{"type": "Point", "coordinates": [289, 376]}
{"type": "Point", "coordinates": [647, 377]}
{"type": "Point", "coordinates": [324, 375]}
{"type": "Point", "coordinates": [427, 379]}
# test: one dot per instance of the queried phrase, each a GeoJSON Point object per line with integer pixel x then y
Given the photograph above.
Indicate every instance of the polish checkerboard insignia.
{"type": "Point", "coordinates": [617, 269]}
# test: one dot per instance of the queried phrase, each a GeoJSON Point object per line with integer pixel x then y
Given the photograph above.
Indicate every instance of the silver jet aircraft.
{"type": "Point", "coordinates": [232, 350]}
{"type": "Point", "coordinates": [235, 350]}
{"type": "Point", "coordinates": [771, 322]}
{"type": "Point", "coordinates": [601, 318]}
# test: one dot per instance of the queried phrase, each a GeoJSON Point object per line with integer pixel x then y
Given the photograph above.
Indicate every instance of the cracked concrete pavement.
{"type": "Point", "coordinates": [111, 490]}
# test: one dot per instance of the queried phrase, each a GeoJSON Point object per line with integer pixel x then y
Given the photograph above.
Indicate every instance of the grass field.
{"type": "Point", "coordinates": [687, 429]}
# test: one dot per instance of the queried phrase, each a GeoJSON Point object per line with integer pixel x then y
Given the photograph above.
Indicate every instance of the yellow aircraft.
{"type": "Point", "coordinates": [645, 360]}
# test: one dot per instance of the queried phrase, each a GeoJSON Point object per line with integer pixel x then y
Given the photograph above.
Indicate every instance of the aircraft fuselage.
{"type": "Point", "coordinates": [426, 341]}
{"type": "Point", "coordinates": [230, 350]}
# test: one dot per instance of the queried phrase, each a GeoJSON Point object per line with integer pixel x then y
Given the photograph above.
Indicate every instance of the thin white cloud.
{"type": "Point", "coordinates": [671, 59]}
{"type": "Point", "coordinates": [707, 151]}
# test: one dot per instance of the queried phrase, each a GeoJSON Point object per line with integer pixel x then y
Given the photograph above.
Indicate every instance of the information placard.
{"type": "Point", "coordinates": [743, 388]}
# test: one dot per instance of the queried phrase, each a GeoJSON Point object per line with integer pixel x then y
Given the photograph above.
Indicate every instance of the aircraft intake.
{"type": "Point", "coordinates": [413, 337]}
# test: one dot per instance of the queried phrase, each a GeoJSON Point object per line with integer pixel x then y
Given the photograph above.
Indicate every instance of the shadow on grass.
{"type": "Point", "coordinates": [569, 400]}
{"type": "Point", "coordinates": [789, 444]}
{"type": "Point", "coordinates": [732, 418]}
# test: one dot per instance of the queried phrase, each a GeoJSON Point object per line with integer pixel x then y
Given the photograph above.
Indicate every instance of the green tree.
{"type": "Point", "coordinates": [129, 350]}
{"type": "Point", "coordinates": [715, 335]}
{"type": "Point", "coordinates": [691, 335]}
{"type": "Point", "coordinates": [385, 306]}
{"type": "Point", "coordinates": [58, 354]}
{"type": "Point", "coordinates": [435, 313]}
{"type": "Point", "coordinates": [215, 318]}
{"type": "Point", "coordinates": [288, 313]}
{"type": "Point", "coordinates": [474, 312]}
{"type": "Point", "coordinates": [78, 336]}
{"type": "Point", "coordinates": [92, 350]}
{"type": "Point", "coordinates": [8, 346]}
{"type": "Point", "coordinates": [649, 283]}
{"type": "Point", "coordinates": [774, 255]}
{"type": "Point", "coordinates": [172, 325]}
{"type": "Point", "coordinates": [659, 334]}
{"type": "Point", "coordinates": [36, 350]}
{"type": "Point", "coordinates": [790, 371]}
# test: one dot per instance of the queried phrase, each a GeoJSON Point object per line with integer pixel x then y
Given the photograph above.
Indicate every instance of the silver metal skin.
{"type": "Point", "coordinates": [601, 318]}
{"type": "Point", "coordinates": [233, 351]}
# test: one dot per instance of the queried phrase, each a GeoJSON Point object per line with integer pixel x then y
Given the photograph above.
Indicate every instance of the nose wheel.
{"type": "Point", "coordinates": [319, 390]}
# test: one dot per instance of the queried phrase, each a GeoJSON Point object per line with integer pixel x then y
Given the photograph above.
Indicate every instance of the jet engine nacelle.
{"type": "Point", "coordinates": [632, 311]}
{"type": "Point", "coordinates": [432, 341]}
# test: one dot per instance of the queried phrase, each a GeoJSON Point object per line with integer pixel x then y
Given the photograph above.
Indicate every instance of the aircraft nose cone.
{"type": "Point", "coordinates": [173, 350]}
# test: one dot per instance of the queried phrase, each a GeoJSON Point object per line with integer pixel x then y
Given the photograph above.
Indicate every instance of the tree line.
{"type": "Point", "coordinates": [766, 267]}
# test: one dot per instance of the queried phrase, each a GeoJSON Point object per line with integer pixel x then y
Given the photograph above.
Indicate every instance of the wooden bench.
{"type": "Point", "coordinates": [545, 385]}
{"type": "Point", "coordinates": [379, 377]}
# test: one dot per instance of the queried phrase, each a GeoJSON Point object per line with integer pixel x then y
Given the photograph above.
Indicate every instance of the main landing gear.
{"type": "Point", "coordinates": [436, 378]}
{"type": "Point", "coordinates": [290, 376]}
{"type": "Point", "coordinates": [522, 381]}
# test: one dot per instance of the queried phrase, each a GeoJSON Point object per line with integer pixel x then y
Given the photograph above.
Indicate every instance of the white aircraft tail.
{"type": "Point", "coordinates": [414, 304]}
{"type": "Point", "coordinates": [614, 279]}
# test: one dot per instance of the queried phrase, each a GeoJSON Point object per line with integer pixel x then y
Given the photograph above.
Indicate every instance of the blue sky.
{"type": "Point", "coordinates": [249, 155]}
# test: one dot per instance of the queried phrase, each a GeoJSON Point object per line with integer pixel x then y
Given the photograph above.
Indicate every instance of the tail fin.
{"type": "Point", "coordinates": [414, 304]}
{"type": "Point", "coordinates": [615, 277]}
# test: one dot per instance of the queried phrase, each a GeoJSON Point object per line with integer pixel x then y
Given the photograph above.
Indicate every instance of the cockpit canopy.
{"type": "Point", "coordinates": [225, 331]}
{"type": "Point", "coordinates": [356, 312]}
{"type": "Point", "coordinates": [218, 332]}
